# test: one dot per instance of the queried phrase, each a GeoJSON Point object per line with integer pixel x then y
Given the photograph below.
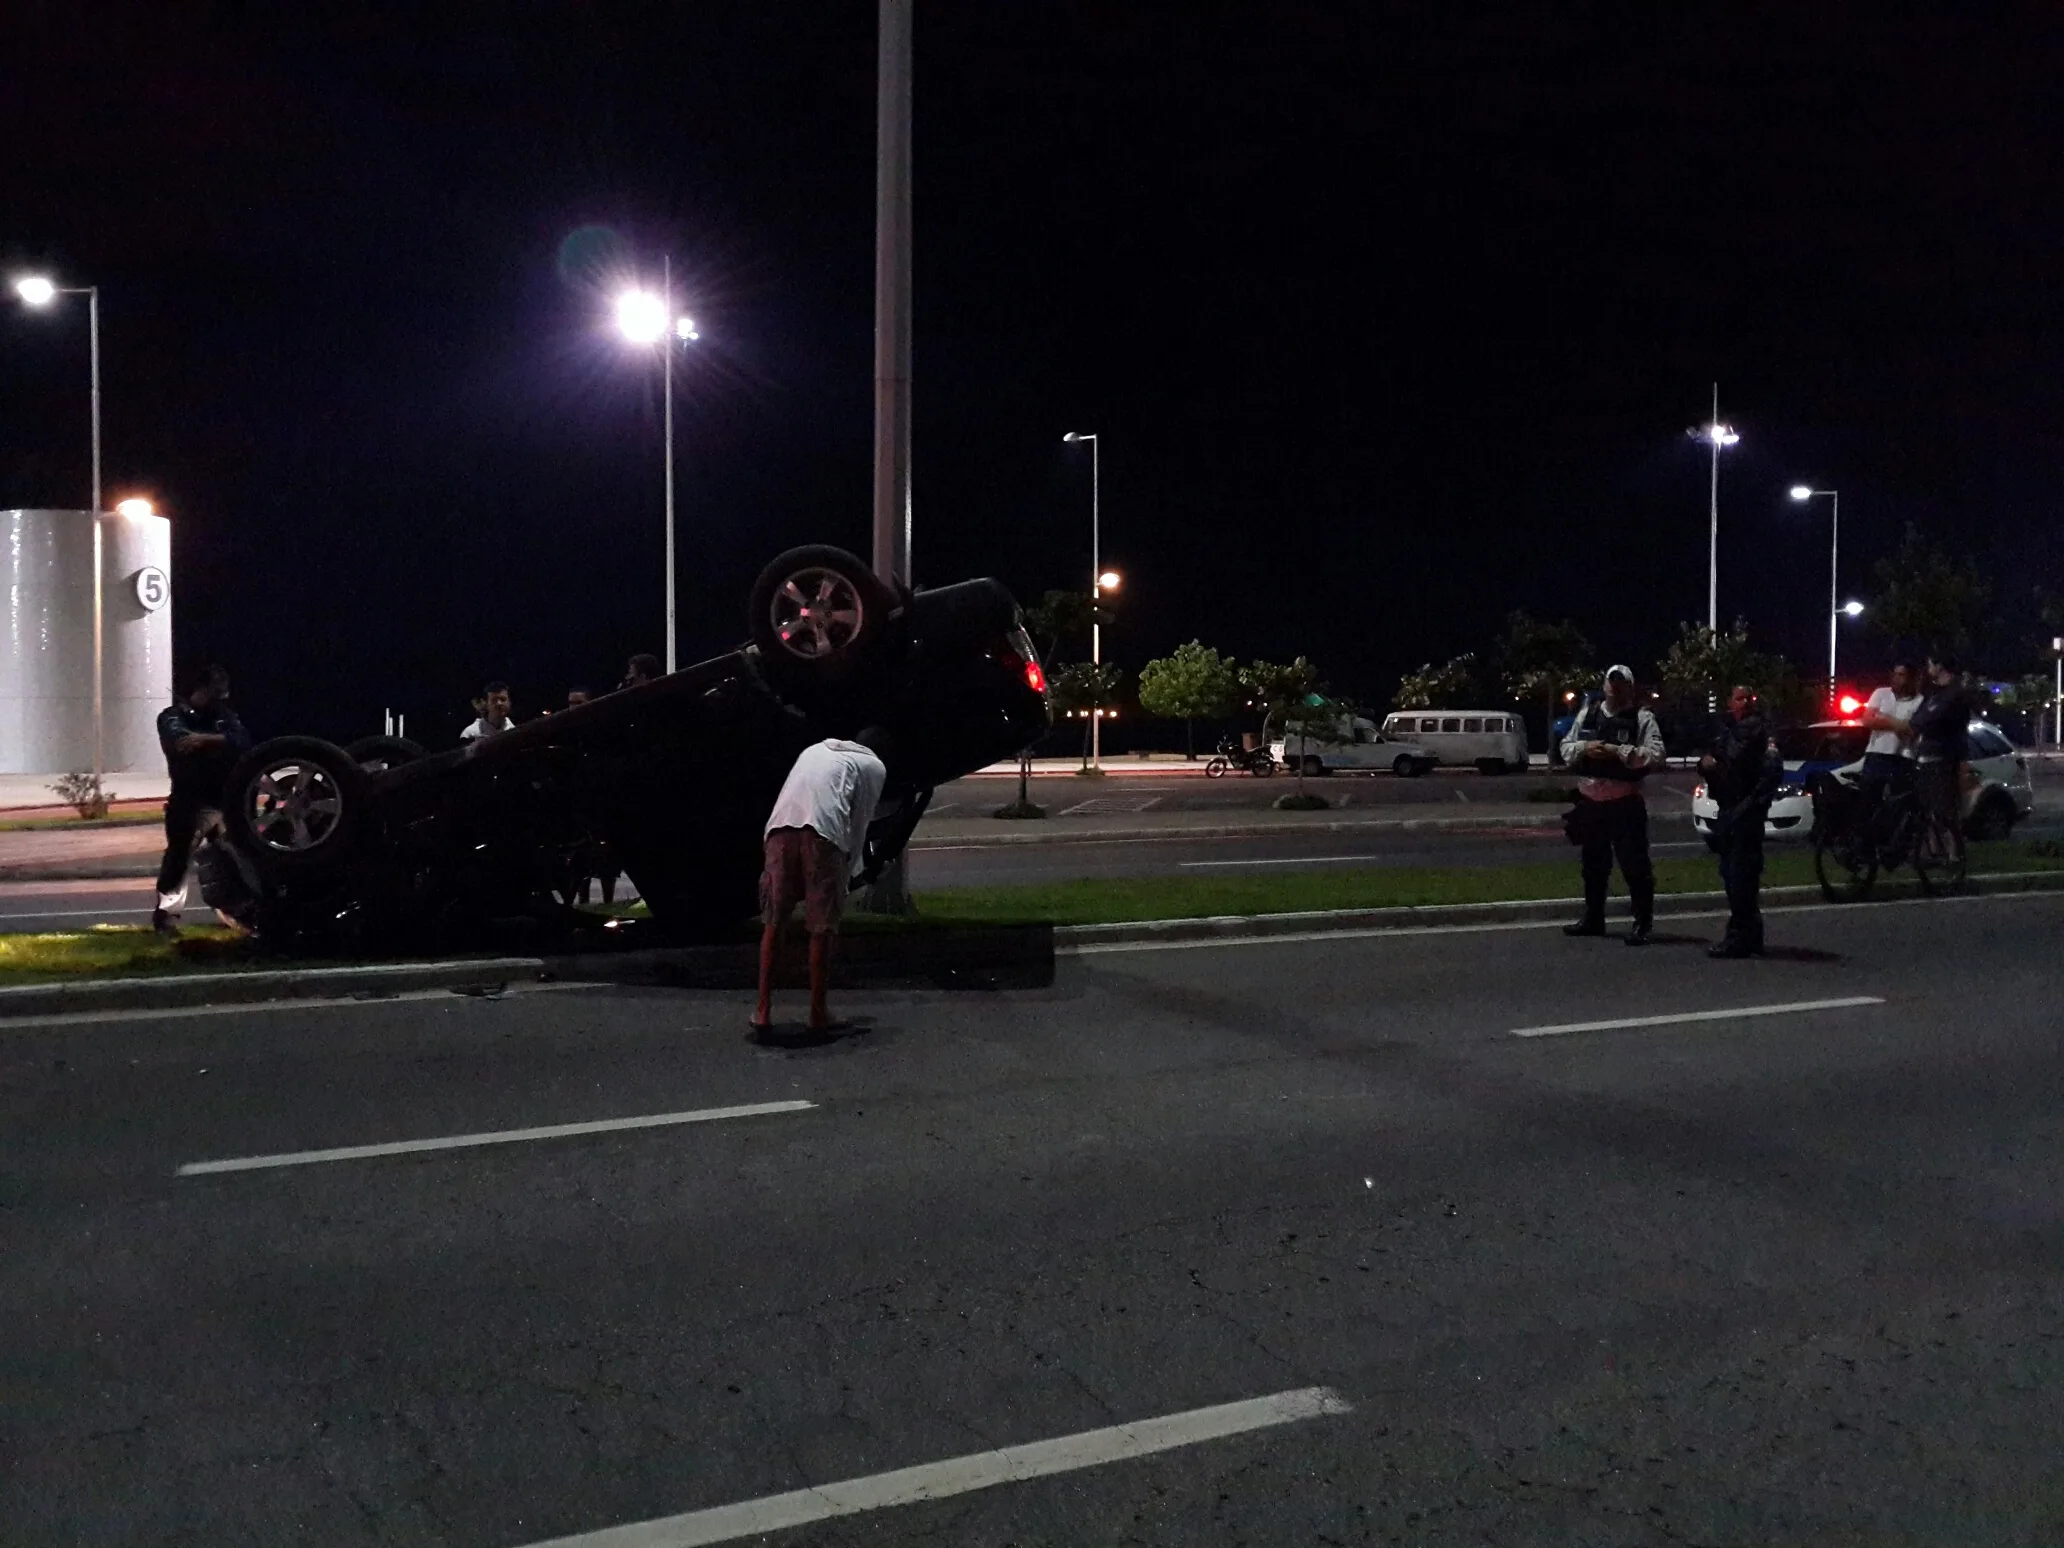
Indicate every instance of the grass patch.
{"type": "Point", "coordinates": [116, 820]}
{"type": "Point", "coordinates": [118, 951]}
{"type": "Point", "coordinates": [1198, 897]}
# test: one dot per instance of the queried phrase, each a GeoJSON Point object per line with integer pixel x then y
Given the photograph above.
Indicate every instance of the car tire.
{"type": "Point", "coordinates": [1312, 767]}
{"type": "Point", "coordinates": [1492, 766]}
{"type": "Point", "coordinates": [1403, 768]}
{"type": "Point", "coordinates": [377, 754]}
{"type": "Point", "coordinates": [1992, 818]}
{"type": "Point", "coordinates": [295, 806]}
{"type": "Point", "coordinates": [821, 618]}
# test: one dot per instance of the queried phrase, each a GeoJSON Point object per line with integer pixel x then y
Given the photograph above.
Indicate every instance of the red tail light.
{"type": "Point", "coordinates": [1034, 678]}
{"type": "Point", "coordinates": [1848, 704]}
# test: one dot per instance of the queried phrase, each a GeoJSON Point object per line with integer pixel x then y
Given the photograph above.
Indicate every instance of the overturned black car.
{"type": "Point", "coordinates": [383, 842]}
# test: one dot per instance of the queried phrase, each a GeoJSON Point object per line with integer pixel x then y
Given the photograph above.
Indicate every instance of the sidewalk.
{"type": "Point", "coordinates": [33, 790]}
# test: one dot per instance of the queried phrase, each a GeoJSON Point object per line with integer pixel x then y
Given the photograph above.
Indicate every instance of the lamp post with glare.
{"type": "Point", "coordinates": [37, 290]}
{"type": "Point", "coordinates": [1802, 493]}
{"type": "Point", "coordinates": [1715, 435]}
{"type": "Point", "coordinates": [646, 319]}
{"type": "Point", "coordinates": [1097, 581]}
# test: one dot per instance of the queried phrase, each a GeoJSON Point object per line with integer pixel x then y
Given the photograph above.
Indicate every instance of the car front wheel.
{"type": "Point", "coordinates": [820, 617]}
{"type": "Point", "coordinates": [295, 806]}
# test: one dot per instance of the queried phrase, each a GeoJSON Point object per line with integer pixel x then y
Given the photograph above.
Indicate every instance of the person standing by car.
{"type": "Point", "coordinates": [202, 738]}
{"type": "Point", "coordinates": [640, 669]}
{"type": "Point", "coordinates": [1942, 742]}
{"type": "Point", "coordinates": [815, 836]}
{"type": "Point", "coordinates": [494, 713]}
{"type": "Point", "coordinates": [1742, 773]}
{"type": "Point", "coordinates": [1612, 747]}
{"type": "Point", "coordinates": [1888, 757]}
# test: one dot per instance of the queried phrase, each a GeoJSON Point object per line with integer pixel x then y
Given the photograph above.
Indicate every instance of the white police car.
{"type": "Point", "coordinates": [2001, 797]}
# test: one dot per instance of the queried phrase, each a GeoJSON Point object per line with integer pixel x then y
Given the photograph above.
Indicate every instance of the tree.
{"type": "Point", "coordinates": [1926, 598]}
{"type": "Point", "coordinates": [1439, 687]}
{"type": "Point", "coordinates": [1539, 661]}
{"type": "Point", "coordinates": [1273, 688]}
{"type": "Point", "coordinates": [1084, 689]}
{"type": "Point", "coordinates": [1061, 618]}
{"type": "Point", "coordinates": [1318, 717]}
{"type": "Point", "coordinates": [1194, 683]}
{"type": "Point", "coordinates": [1703, 661]}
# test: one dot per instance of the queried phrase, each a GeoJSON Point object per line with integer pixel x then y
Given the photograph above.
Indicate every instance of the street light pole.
{"type": "Point", "coordinates": [1096, 588]}
{"type": "Point", "coordinates": [35, 290]}
{"type": "Point", "coordinates": [1716, 435]}
{"type": "Point", "coordinates": [1803, 493]}
{"type": "Point", "coordinates": [666, 347]}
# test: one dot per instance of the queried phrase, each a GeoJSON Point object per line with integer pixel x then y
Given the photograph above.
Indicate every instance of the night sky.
{"type": "Point", "coordinates": [1392, 319]}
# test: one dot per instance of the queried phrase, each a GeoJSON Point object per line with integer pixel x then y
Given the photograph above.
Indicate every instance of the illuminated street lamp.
{"type": "Point", "coordinates": [646, 319]}
{"type": "Point", "coordinates": [1852, 609]}
{"type": "Point", "coordinates": [1097, 580]}
{"type": "Point", "coordinates": [135, 507]}
{"type": "Point", "coordinates": [39, 290]}
{"type": "Point", "coordinates": [1802, 493]}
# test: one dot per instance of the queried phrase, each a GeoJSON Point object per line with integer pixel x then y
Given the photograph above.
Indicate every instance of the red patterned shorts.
{"type": "Point", "coordinates": [803, 867]}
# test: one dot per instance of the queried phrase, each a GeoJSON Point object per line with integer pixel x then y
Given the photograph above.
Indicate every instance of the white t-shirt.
{"type": "Point", "coordinates": [481, 728]}
{"type": "Point", "coordinates": [833, 788]}
{"type": "Point", "coordinates": [1885, 702]}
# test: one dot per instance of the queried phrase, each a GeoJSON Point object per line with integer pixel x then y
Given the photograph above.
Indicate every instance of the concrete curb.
{"type": "Point", "coordinates": [999, 956]}
{"type": "Point", "coordinates": [173, 991]}
{"type": "Point", "coordinates": [1262, 926]}
{"type": "Point", "coordinates": [1051, 834]}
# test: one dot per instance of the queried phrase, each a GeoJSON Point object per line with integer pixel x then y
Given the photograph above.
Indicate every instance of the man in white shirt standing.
{"type": "Point", "coordinates": [494, 714]}
{"type": "Point", "coordinates": [815, 836]}
{"type": "Point", "coordinates": [1888, 755]}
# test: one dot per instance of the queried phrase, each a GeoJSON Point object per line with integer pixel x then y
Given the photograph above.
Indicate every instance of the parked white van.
{"type": "Point", "coordinates": [1493, 740]}
{"type": "Point", "coordinates": [1354, 744]}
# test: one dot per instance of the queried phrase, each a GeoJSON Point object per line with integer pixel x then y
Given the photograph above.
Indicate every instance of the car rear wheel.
{"type": "Point", "coordinates": [1492, 766]}
{"type": "Point", "coordinates": [377, 754]}
{"type": "Point", "coordinates": [1312, 767]}
{"type": "Point", "coordinates": [820, 617]}
{"type": "Point", "coordinates": [295, 806]}
{"type": "Point", "coordinates": [1992, 818]}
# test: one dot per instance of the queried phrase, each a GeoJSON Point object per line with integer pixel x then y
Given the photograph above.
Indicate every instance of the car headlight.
{"type": "Point", "coordinates": [1698, 791]}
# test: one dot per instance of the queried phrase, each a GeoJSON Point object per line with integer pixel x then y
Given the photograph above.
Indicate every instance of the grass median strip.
{"type": "Point", "coordinates": [1131, 899]}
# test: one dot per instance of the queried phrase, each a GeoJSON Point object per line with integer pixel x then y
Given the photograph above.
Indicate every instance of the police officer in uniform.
{"type": "Point", "coordinates": [1612, 747]}
{"type": "Point", "coordinates": [1742, 773]}
{"type": "Point", "coordinates": [202, 738]}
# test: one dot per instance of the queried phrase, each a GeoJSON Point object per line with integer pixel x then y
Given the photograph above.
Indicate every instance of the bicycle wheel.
{"type": "Point", "coordinates": [1939, 858]}
{"type": "Point", "coordinates": [1847, 865]}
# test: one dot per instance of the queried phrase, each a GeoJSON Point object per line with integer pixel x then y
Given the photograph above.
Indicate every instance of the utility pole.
{"type": "Point", "coordinates": [890, 893]}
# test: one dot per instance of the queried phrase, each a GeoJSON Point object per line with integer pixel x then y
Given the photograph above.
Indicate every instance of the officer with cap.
{"type": "Point", "coordinates": [1743, 772]}
{"type": "Point", "coordinates": [1612, 747]}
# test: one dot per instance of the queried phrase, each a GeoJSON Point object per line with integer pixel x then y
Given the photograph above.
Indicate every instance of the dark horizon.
{"type": "Point", "coordinates": [1390, 323]}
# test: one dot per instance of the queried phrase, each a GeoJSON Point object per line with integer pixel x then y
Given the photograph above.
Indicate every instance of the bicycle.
{"type": "Point", "coordinates": [1853, 843]}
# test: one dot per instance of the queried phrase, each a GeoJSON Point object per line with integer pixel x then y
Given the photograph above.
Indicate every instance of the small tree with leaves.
{"type": "Point", "coordinates": [1084, 689]}
{"type": "Point", "coordinates": [1541, 662]}
{"type": "Point", "coordinates": [1926, 597]}
{"type": "Point", "coordinates": [1438, 687]}
{"type": "Point", "coordinates": [1193, 683]}
{"type": "Point", "coordinates": [1705, 661]}
{"type": "Point", "coordinates": [1273, 687]}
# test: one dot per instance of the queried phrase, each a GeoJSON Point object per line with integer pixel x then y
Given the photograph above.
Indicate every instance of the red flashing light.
{"type": "Point", "coordinates": [1034, 678]}
{"type": "Point", "coordinates": [1848, 704]}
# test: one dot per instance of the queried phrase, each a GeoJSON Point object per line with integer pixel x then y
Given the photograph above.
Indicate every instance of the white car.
{"type": "Point", "coordinates": [2001, 797]}
{"type": "Point", "coordinates": [1355, 744]}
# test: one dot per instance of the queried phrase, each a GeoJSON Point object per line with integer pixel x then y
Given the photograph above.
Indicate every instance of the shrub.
{"type": "Point", "coordinates": [83, 794]}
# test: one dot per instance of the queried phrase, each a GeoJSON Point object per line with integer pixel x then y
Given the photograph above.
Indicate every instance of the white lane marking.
{"type": "Point", "coordinates": [1214, 865]}
{"type": "Point", "coordinates": [260, 1007]}
{"type": "Point", "coordinates": [1791, 1008]}
{"type": "Point", "coordinates": [494, 1137]}
{"type": "Point", "coordinates": [963, 1475]}
{"type": "Point", "coordinates": [1384, 932]}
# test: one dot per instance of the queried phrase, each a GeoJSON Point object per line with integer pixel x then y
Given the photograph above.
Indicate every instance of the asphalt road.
{"type": "Point", "coordinates": [1781, 1277]}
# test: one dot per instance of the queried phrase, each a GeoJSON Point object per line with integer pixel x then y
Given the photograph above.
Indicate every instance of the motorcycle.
{"type": "Point", "coordinates": [1231, 755]}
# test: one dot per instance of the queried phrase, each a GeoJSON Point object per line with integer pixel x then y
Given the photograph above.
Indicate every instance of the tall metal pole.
{"type": "Point", "coordinates": [99, 604]}
{"type": "Point", "coordinates": [1096, 595]}
{"type": "Point", "coordinates": [1713, 540]}
{"type": "Point", "coordinates": [892, 297]}
{"type": "Point", "coordinates": [666, 349]}
{"type": "Point", "coordinates": [1834, 607]}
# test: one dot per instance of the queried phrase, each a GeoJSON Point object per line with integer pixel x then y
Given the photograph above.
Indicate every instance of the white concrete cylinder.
{"type": "Point", "coordinates": [46, 655]}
